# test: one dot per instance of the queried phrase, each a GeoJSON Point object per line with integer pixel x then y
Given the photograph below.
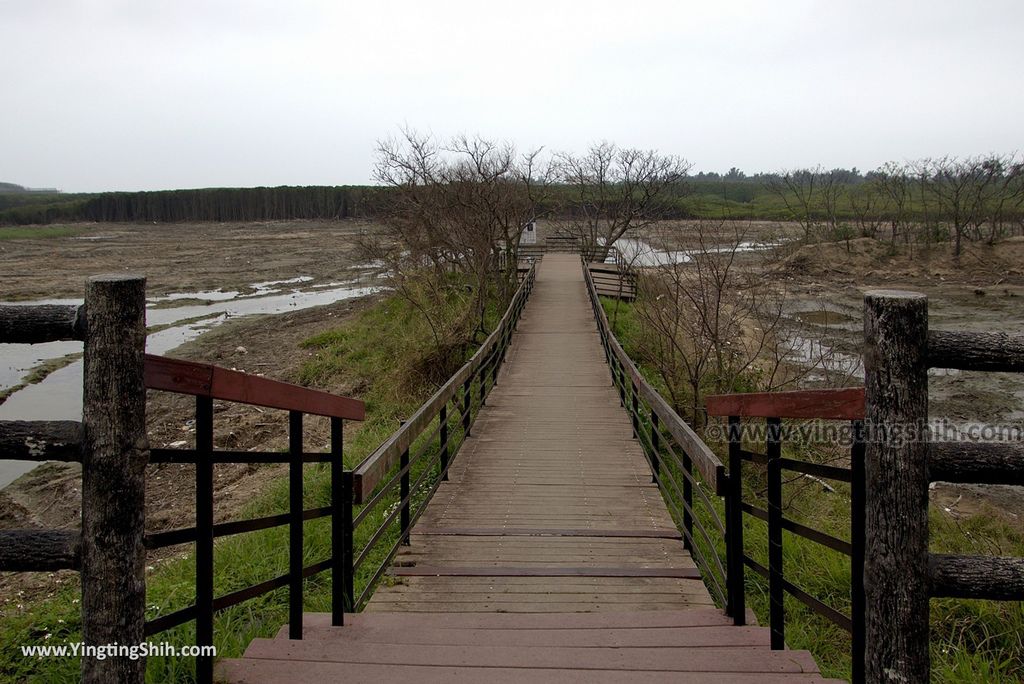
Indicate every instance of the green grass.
{"type": "Point", "coordinates": [380, 356]}
{"type": "Point", "coordinates": [971, 641]}
{"type": "Point", "coordinates": [39, 232]}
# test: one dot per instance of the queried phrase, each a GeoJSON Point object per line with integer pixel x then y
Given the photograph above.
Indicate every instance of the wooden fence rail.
{"type": "Point", "coordinates": [110, 442]}
{"type": "Point", "coordinates": [900, 572]}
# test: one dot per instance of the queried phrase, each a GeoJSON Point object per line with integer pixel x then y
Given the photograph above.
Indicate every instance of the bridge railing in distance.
{"type": "Point", "coordinates": [902, 458]}
{"type": "Point", "coordinates": [111, 444]}
{"type": "Point", "coordinates": [689, 474]}
{"type": "Point", "coordinates": [826, 404]}
{"type": "Point", "coordinates": [428, 438]}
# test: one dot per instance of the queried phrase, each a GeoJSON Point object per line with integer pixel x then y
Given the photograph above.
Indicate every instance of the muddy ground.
{"type": "Point", "coordinates": [983, 290]}
{"type": "Point", "coordinates": [178, 258]}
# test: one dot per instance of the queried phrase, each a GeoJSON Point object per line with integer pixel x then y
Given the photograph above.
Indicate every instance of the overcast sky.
{"type": "Point", "coordinates": [141, 94]}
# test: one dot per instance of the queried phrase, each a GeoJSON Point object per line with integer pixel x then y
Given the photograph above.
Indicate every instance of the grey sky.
{"type": "Point", "coordinates": [140, 94]}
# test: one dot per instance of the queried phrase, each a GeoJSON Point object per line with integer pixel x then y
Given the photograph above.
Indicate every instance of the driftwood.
{"type": "Point", "coordinates": [41, 323]}
{"type": "Point", "coordinates": [977, 577]}
{"type": "Point", "coordinates": [979, 351]}
{"type": "Point", "coordinates": [41, 440]}
{"type": "Point", "coordinates": [39, 550]}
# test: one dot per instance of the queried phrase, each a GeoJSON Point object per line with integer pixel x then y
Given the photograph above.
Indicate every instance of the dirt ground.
{"type": "Point", "coordinates": [983, 290]}
{"type": "Point", "coordinates": [176, 258]}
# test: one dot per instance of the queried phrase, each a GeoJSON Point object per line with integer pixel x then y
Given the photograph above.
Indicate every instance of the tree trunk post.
{"type": "Point", "coordinates": [896, 491]}
{"type": "Point", "coordinates": [113, 475]}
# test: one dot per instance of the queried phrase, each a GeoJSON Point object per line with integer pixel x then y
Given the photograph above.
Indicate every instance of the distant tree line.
{"type": "Point", "coordinates": [209, 204]}
{"type": "Point", "coordinates": [227, 204]}
{"type": "Point", "coordinates": [936, 199]}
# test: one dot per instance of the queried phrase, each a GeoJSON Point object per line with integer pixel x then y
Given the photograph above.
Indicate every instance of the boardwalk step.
{"type": "Point", "coordinates": [696, 617]}
{"type": "Point", "coordinates": [252, 671]}
{"type": "Point", "coordinates": [665, 659]}
{"type": "Point", "coordinates": [700, 638]}
{"type": "Point", "coordinates": [491, 570]}
{"type": "Point", "coordinates": [686, 646]}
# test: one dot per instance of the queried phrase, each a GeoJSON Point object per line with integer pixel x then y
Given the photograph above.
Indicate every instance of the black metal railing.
{"type": "Point", "coordinates": [831, 405]}
{"type": "Point", "coordinates": [417, 457]}
{"type": "Point", "coordinates": [707, 499]}
{"type": "Point", "coordinates": [690, 476]}
{"type": "Point", "coordinates": [209, 383]}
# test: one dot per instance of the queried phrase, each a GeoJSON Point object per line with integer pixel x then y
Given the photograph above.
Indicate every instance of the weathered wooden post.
{"type": "Point", "coordinates": [896, 486]}
{"type": "Point", "coordinates": [113, 475]}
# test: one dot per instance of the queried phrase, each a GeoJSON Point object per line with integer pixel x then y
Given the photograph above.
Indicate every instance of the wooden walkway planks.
{"type": "Point", "coordinates": [688, 646]}
{"type": "Point", "coordinates": [551, 451]}
{"type": "Point", "coordinates": [548, 557]}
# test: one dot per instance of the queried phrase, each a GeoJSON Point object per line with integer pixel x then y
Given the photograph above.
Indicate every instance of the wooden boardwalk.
{"type": "Point", "coordinates": [548, 556]}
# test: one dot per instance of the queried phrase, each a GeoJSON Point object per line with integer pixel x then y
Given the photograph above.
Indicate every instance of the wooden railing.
{"type": "Point", "coordinates": [688, 473]}
{"type": "Point", "coordinates": [613, 281]}
{"type": "Point", "coordinates": [431, 436]}
{"type": "Point", "coordinates": [110, 442]}
{"type": "Point", "coordinates": [773, 407]}
{"type": "Point", "coordinates": [901, 460]}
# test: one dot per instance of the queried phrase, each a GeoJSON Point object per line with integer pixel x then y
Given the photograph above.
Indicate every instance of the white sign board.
{"type": "Point", "coordinates": [529, 234]}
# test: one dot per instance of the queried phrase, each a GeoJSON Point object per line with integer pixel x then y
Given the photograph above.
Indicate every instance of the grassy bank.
{"type": "Point", "coordinates": [976, 641]}
{"type": "Point", "coordinates": [39, 232]}
{"type": "Point", "coordinates": [39, 373]}
{"type": "Point", "coordinates": [379, 356]}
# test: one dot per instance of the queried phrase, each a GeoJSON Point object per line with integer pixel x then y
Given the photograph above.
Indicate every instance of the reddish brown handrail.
{"type": "Point", "coordinates": [846, 403]}
{"type": "Point", "coordinates": [205, 380]}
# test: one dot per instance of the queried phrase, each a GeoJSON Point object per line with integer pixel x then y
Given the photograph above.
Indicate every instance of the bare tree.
{"type": "Point", "coordinates": [866, 202]}
{"type": "Point", "coordinates": [960, 188]}
{"type": "Point", "coordinates": [449, 211]}
{"type": "Point", "coordinates": [798, 191]}
{"type": "Point", "coordinates": [830, 189]}
{"type": "Point", "coordinates": [615, 190]}
{"type": "Point", "coordinates": [893, 181]}
{"type": "Point", "coordinates": [708, 324]}
{"type": "Point", "coordinates": [999, 193]}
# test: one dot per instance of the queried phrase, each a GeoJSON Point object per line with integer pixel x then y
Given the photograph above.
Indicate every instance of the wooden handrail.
{"type": "Point", "coordinates": [705, 460]}
{"type": "Point", "coordinates": [368, 474]}
{"type": "Point", "coordinates": [205, 380]}
{"type": "Point", "coordinates": [845, 403]}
